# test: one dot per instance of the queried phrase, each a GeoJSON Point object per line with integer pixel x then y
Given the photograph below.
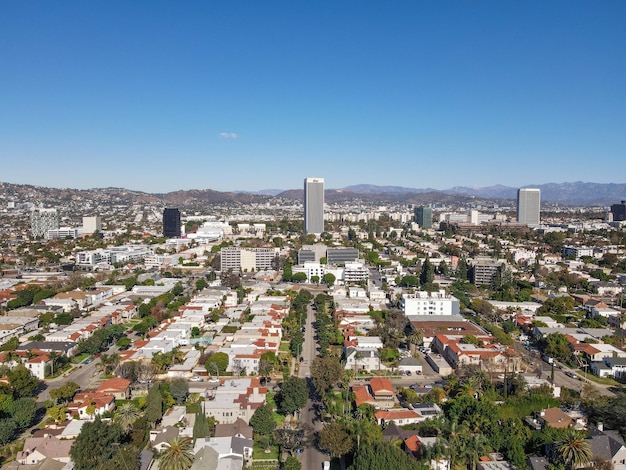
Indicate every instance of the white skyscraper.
{"type": "Point", "coordinates": [528, 206]}
{"type": "Point", "coordinates": [314, 205]}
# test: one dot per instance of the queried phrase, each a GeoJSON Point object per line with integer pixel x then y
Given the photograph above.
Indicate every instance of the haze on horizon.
{"type": "Point", "coordinates": [156, 97]}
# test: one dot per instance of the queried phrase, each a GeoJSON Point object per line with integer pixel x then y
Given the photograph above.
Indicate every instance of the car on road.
{"type": "Point", "coordinates": [195, 378]}
{"type": "Point", "coordinates": [213, 380]}
{"type": "Point", "coordinates": [571, 374]}
{"type": "Point", "coordinates": [325, 465]}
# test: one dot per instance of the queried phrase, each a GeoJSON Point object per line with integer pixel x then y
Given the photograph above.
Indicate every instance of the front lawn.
{"type": "Point", "coordinates": [258, 452]}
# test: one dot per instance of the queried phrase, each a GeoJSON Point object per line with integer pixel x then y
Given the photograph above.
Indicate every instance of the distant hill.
{"type": "Point", "coordinates": [577, 193]}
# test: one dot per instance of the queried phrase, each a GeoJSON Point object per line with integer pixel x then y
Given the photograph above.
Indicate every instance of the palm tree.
{"type": "Point", "coordinates": [575, 450]}
{"type": "Point", "coordinates": [178, 454]}
{"type": "Point", "coordinates": [126, 415]}
{"type": "Point", "coordinates": [416, 337]}
{"type": "Point", "coordinates": [108, 362]}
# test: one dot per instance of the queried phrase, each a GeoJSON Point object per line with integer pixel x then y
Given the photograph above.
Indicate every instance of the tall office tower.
{"type": "Point", "coordinates": [42, 220]}
{"type": "Point", "coordinates": [92, 225]}
{"type": "Point", "coordinates": [314, 205]}
{"type": "Point", "coordinates": [424, 216]}
{"type": "Point", "coordinates": [528, 206]}
{"type": "Point", "coordinates": [171, 223]}
{"type": "Point", "coordinates": [619, 212]}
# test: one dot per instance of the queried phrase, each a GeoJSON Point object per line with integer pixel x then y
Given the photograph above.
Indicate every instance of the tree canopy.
{"type": "Point", "coordinates": [95, 444]}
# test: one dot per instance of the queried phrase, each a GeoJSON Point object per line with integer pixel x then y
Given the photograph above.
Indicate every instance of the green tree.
{"type": "Point", "coordinates": [154, 405]}
{"type": "Point", "coordinates": [326, 372]}
{"type": "Point", "coordinates": [461, 270]}
{"type": "Point", "coordinates": [178, 289]}
{"type": "Point", "coordinates": [201, 284]}
{"type": "Point", "coordinates": [177, 455]}
{"type": "Point", "coordinates": [65, 392]}
{"type": "Point", "coordinates": [293, 394]}
{"type": "Point", "coordinates": [8, 428]}
{"type": "Point", "coordinates": [337, 439]}
{"type": "Point", "coordinates": [267, 362]}
{"type": "Point", "coordinates": [329, 279]}
{"type": "Point", "coordinates": [124, 343]}
{"type": "Point", "coordinates": [262, 421]}
{"type": "Point", "coordinates": [575, 450]}
{"type": "Point", "coordinates": [220, 359]}
{"type": "Point", "coordinates": [126, 415]}
{"type": "Point", "coordinates": [292, 435]}
{"type": "Point", "coordinates": [556, 346]}
{"type": "Point", "coordinates": [291, 463]}
{"type": "Point", "coordinates": [22, 382]}
{"type": "Point", "coordinates": [381, 455]}
{"type": "Point", "coordinates": [58, 413]}
{"type": "Point", "coordinates": [23, 411]}
{"type": "Point", "coordinates": [179, 388]}
{"type": "Point", "coordinates": [95, 445]}
{"type": "Point", "coordinates": [299, 277]}
{"type": "Point", "coordinates": [200, 426]}
{"type": "Point", "coordinates": [443, 268]}
{"type": "Point", "coordinates": [108, 362]}
{"type": "Point", "coordinates": [410, 281]}
{"type": "Point", "coordinates": [427, 275]}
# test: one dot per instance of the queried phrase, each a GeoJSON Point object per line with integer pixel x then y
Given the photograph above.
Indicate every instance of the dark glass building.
{"type": "Point", "coordinates": [619, 211]}
{"type": "Point", "coordinates": [171, 223]}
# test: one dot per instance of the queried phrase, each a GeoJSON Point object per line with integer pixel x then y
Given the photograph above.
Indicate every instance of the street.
{"type": "Point", "coordinates": [85, 375]}
{"type": "Point", "coordinates": [311, 458]}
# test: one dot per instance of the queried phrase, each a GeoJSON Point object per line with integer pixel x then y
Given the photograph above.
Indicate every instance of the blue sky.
{"type": "Point", "coordinates": [229, 95]}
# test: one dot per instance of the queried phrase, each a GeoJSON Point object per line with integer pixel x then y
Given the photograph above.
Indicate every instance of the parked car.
{"type": "Point", "coordinates": [325, 465]}
{"type": "Point", "coordinates": [195, 378]}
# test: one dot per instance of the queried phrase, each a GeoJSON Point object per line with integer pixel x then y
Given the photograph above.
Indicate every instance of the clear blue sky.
{"type": "Point", "coordinates": [230, 95]}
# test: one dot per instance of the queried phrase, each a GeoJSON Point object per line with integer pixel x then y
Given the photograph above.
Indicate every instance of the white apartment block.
{"type": "Point", "coordinates": [247, 259]}
{"type": "Point", "coordinates": [577, 251]}
{"type": "Point", "coordinates": [356, 272]}
{"type": "Point", "coordinates": [429, 303]}
{"type": "Point", "coordinates": [117, 254]}
{"type": "Point", "coordinates": [63, 232]}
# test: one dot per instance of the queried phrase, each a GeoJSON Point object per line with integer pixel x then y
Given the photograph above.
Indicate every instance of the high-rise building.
{"type": "Point", "coordinates": [92, 224]}
{"type": "Point", "coordinates": [619, 212]}
{"type": "Point", "coordinates": [424, 217]}
{"type": "Point", "coordinates": [171, 223]}
{"type": "Point", "coordinates": [528, 206]}
{"type": "Point", "coordinates": [314, 205]}
{"type": "Point", "coordinates": [42, 220]}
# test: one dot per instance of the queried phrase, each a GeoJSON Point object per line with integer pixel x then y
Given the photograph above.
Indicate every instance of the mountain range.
{"type": "Point", "coordinates": [576, 194]}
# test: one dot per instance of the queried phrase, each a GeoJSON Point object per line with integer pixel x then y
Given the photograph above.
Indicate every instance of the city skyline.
{"type": "Point", "coordinates": [155, 97]}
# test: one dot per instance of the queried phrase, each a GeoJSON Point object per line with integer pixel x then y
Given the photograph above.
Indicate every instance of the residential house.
{"type": "Point", "coordinates": [410, 364]}
{"type": "Point", "coordinates": [37, 449]}
{"type": "Point", "coordinates": [89, 404]}
{"type": "Point", "coordinates": [555, 418]}
{"type": "Point", "coordinates": [598, 352]}
{"type": "Point", "coordinates": [239, 429]}
{"type": "Point", "coordinates": [608, 445]}
{"type": "Point", "coordinates": [362, 396]}
{"type": "Point", "coordinates": [365, 359]}
{"type": "Point", "coordinates": [118, 387]}
{"type": "Point", "coordinates": [400, 416]}
{"type": "Point", "coordinates": [383, 393]}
